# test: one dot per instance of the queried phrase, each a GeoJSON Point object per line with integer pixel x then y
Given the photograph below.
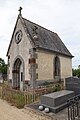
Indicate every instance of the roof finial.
{"type": "Point", "coordinates": [20, 8]}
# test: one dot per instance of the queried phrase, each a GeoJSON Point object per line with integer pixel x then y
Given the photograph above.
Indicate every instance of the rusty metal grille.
{"type": "Point", "coordinates": [74, 108]}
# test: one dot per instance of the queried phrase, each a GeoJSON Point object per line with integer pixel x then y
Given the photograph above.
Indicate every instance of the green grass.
{"type": "Point", "coordinates": [19, 100]}
{"type": "Point", "coordinates": [14, 97]}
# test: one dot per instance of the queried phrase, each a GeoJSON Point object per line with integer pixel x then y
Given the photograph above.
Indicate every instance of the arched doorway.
{"type": "Point", "coordinates": [18, 74]}
{"type": "Point", "coordinates": [57, 74]}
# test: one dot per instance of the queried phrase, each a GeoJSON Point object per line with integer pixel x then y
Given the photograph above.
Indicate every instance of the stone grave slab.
{"type": "Point", "coordinates": [73, 84]}
{"type": "Point", "coordinates": [56, 101]}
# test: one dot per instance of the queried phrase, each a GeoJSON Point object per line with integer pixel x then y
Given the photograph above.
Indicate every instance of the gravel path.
{"type": "Point", "coordinates": [8, 112]}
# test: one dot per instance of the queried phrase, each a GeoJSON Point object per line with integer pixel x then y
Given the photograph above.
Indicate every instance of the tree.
{"type": "Point", "coordinates": [76, 72]}
{"type": "Point", "coordinates": [3, 68]}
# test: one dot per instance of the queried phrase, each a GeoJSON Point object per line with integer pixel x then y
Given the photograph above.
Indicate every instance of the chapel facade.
{"type": "Point", "coordinates": [35, 55]}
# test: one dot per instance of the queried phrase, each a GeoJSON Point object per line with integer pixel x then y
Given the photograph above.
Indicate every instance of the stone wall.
{"type": "Point", "coordinates": [45, 66]}
{"type": "Point", "coordinates": [22, 50]}
{"type": "Point", "coordinates": [66, 66]}
{"type": "Point", "coordinates": [45, 63]}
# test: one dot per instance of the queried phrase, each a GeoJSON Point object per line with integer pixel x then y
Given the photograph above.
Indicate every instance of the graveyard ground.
{"type": "Point", "coordinates": [8, 112]}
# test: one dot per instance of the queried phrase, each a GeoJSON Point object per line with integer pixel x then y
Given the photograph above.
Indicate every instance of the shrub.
{"type": "Point", "coordinates": [57, 88]}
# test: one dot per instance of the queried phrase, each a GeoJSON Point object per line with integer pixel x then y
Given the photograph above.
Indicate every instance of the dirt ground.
{"type": "Point", "coordinates": [8, 112]}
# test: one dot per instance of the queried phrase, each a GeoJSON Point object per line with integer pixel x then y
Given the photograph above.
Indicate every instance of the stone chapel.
{"type": "Point", "coordinates": [35, 55]}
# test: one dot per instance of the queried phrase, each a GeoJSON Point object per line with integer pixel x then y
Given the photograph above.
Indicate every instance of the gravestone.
{"type": "Point", "coordinates": [73, 84]}
{"type": "Point", "coordinates": [56, 101]}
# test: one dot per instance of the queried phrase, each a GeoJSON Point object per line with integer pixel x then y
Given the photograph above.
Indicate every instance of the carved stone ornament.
{"type": "Point", "coordinates": [18, 36]}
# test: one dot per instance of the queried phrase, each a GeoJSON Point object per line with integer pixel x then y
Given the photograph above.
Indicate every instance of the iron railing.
{"type": "Point", "coordinates": [74, 108]}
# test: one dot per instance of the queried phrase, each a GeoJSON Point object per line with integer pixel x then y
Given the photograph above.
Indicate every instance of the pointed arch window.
{"type": "Point", "coordinates": [57, 67]}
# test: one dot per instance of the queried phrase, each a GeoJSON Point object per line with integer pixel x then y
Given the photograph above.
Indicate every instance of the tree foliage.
{"type": "Point", "coordinates": [3, 66]}
{"type": "Point", "coordinates": [76, 72]}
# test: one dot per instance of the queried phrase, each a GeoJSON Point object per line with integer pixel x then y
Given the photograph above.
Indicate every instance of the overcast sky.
{"type": "Point", "coordinates": [60, 16]}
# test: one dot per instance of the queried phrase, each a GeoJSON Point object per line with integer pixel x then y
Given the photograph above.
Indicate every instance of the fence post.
{"type": "Point", "coordinates": [1, 92]}
{"type": "Point", "coordinates": [68, 102]}
{"type": "Point", "coordinates": [25, 99]}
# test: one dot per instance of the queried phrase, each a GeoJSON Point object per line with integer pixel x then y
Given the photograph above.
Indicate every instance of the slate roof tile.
{"type": "Point", "coordinates": [46, 39]}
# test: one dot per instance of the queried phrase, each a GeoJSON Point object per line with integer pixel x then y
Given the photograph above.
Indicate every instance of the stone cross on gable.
{"type": "Point", "coordinates": [20, 10]}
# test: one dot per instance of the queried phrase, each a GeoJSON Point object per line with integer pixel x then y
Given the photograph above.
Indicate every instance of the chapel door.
{"type": "Point", "coordinates": [18, 74]}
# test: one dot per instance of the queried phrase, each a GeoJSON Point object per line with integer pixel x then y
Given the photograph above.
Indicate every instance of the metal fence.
{"type": "Point", "coordinates": [19, 99]}
{"type": "Point", "coordinates": [74, 108]}
{"type": "Point", "coordinates": [14, 97]}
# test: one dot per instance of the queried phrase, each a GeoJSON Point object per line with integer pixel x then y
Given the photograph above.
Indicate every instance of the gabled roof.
{"type": "Point", "coordinates": [45, 39]}
{"type": "Point", "coordinates": [12, 36]}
